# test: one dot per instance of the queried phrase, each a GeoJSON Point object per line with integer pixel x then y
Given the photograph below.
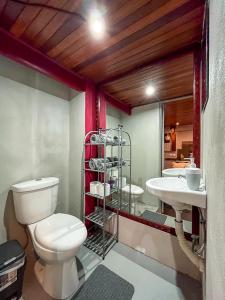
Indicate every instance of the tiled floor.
{"type": "Point", "coordinates": [151, 280]}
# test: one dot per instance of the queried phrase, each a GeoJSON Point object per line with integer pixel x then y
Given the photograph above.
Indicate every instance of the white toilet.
{"type": "Point", "coordinates": [136, 192]}
{"type": "Point", "coordinates": [56, 237]}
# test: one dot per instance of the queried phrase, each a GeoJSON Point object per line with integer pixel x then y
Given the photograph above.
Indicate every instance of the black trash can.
{"type": "Point", "coordinates": [12, 265]}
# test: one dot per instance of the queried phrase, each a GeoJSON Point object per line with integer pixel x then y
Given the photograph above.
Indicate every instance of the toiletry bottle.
{"type": "Point", "coordinates": [192, 162]}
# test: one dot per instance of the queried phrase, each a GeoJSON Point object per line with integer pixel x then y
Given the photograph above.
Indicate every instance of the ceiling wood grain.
{"type": "Point", "coordinates": [138, 32]}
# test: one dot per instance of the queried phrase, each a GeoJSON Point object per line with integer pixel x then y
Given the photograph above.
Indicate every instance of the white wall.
{"type": "Point", "coordinates": [77, 132]}
{"type": "Point", "coordinates": [34, 142]}
{"type": "Point", "coordinates": [213, 152]}
{"type": "Point", "coordinates": [32, 78]}
{"type": "Point", "coordinates": [144, 128]}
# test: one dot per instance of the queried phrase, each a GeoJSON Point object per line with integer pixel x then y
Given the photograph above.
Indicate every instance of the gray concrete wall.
{"type": "Point", "coordinates": [213, 152]}
{"type": "Point", "coordinates": [34, 142]}
{"type": "Point", "coordinates": [32, 78]}
{"type": "Point", "coordinates": [144, 128]}
{"type": "Point", "coordinates": [77, 131]}
{"type": "Point", "coordinates": [143, 125]}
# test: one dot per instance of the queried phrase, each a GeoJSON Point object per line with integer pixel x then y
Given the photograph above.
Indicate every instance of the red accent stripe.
{"type": "Point", "coordinates": [161, 227]}
{"type": "Point", "coordinates": [196, 126]}
{"type": "Point", "coordinates": [23, 53]}
{"type": "Point", "coordinates": [102, 110]}
{"type": "Point", "coordinates": [90, 124]}
{"type": "Point", "coordinates": [117, 104]}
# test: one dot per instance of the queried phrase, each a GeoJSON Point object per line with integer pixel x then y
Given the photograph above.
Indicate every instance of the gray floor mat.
{"type": "Point", "coordinates": [153, 217]}
{"type": "Point", "coordinates": [104, 284]}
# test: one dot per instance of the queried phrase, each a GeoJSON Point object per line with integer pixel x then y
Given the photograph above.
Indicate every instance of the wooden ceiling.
{"type": "Point", "coordinates": [178, 111]}
{"type": "Point", "coordinates": [171, 78]}
{"type": "Point", "coordinates": [138, 32]}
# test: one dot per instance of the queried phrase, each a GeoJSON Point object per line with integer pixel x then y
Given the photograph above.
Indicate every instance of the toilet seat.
{"type": "Point", "coordinates": [135, 190]}
{"type": "Point", "coordinates": [60, 232]}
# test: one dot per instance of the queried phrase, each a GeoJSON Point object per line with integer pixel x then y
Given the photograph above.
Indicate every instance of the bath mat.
{"type": "Point", "coordinates": [103, 284]}
{"type": "Point", "coordinates": [153, 217]}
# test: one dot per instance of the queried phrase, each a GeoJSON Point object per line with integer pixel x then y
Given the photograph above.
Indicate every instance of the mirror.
{"type": "Point", "coordinates": [154, 147]}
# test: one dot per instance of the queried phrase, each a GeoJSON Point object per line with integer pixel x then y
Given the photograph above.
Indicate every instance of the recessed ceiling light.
{"type": "Point", "coordinates": [150, 90]}
{"type": "Point", "coordinates": [96, 24]}
{"type": "Point", "coordinates": [177, 123]}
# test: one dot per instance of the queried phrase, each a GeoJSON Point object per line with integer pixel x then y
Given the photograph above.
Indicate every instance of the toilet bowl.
{"type": "Point", "coordinates": [56, 237]}
{"type": "Point", "coordinates": [56, 240]}
{"type": "Point", "coordinates": [135, 191]}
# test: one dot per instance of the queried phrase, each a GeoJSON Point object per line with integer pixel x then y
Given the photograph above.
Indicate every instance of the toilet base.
{"type": "Point", "coordinates": [60, 281]}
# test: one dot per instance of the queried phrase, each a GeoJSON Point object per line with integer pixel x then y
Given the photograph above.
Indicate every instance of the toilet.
{"type": "Point", "coordinates": [56, 237]}
{"type": "Point", "coordinates": [136, 192]}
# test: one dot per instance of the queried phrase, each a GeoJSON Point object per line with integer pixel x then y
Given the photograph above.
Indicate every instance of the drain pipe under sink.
{"type": "Point", "coordinates": [194, 258]}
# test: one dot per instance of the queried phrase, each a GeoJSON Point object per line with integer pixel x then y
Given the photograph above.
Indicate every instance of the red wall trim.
{"type": "Point", "coordinates": [196, 126]}
{"type": "Point", "coordinates": [117, 104]}
{"type": "Point", "coordinates": [102, 110]}
{"type": "Point", "coordinates": [23, 53]}
{"type": "Point", "coordinates": [90, 124]}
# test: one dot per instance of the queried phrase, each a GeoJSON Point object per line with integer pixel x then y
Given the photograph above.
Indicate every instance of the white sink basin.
{"type": "Point", "coordinates": [175, 192]}
{"type": "Point", "coordinates": [174, 172]}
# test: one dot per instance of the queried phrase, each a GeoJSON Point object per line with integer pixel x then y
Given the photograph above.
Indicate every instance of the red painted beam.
{"type": "Point", "coordinates": [117, 104]}
{"type": "Point", "coordinates": [90, 152]}
{"type": "Point", "coordinates": [23, 53]}
{"type": "Point", "coordinates": [196, 126]}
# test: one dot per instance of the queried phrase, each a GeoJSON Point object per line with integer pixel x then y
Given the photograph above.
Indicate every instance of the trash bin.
{"type": "Point", "coordinates": [12, 265]}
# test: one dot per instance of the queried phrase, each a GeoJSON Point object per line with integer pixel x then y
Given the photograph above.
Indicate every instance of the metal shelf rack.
{"type": "Point", "coordinates": [100, 238]}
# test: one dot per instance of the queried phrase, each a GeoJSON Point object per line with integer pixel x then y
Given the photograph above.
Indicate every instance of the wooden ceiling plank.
{"type": "Point", "coordinates": [166, 88]}
{"type": "Point", "coordinates": [59, 22]}
{"type": "Point", "coordinates": [144, 42]}
{"type": "Point", "coordinates": [97, 48]}
{"type": "Point", "coordinates": [155, 54]}
{"type": "Point", "coordinates": [152, 75]}
{"type": "Point", "coordinates": [42, 20]}
{"type": "Point", "coordinates": [82, 39]}
{"type": "Point", "coordinates": [140, 33]}
{"type": "Point", "coordinates": [167, 62]}
{"type": "Point", "coordinates": [25, 19]}
{"type": "Point", "coordinates": [71, 39]}
{"type": "Point", "coordinates": [130, 59]}
{"type": "Point", "coordinates": [166, 80]}
{"type": "Point", "coordinates": [11, 12]}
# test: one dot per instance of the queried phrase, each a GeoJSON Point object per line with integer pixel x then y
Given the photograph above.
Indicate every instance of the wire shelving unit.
{"type": "Point", "coordinates": [103, 222]}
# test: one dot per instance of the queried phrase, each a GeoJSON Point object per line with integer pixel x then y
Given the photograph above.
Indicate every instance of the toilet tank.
{"type": "Point", "coordinates": [35, 199]}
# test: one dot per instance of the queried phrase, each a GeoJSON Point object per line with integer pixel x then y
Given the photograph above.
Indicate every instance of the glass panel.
{"type": "Point", "coordinates": [151, 153]}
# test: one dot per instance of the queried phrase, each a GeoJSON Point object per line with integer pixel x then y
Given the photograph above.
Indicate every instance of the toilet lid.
{"type": "Point", "coordinates": [60, 232]}
{"type": "Point", "coordinates": [135, 190]}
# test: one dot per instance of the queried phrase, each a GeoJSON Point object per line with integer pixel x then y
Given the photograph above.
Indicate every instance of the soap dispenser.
{"type": "Point", "coordinates": [193, 175]}
{"type": "Point", "coordinates": [192, 162]}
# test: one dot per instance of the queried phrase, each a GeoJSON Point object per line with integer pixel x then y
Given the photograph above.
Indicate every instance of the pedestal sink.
{"type": "Point", "coordinates": [174, 172]}
{"type": "Point", "coordinates": [175, 192]}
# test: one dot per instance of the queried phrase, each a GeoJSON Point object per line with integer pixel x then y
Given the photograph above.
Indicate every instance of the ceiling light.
{"type": "Point", "coordinates": [96, 24]}
{"type": "Point", "coordinates": [150, 90]}
{"type": "Point", "coordinates": [177, 123]}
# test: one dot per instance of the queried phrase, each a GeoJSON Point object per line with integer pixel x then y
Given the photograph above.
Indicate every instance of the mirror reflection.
{"type": "Point", "coordinates": [154, 153]}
